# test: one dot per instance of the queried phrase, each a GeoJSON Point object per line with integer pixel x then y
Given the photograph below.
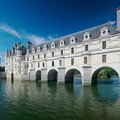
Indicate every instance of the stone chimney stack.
{"type": "Point", "coordinates": [118, 18]}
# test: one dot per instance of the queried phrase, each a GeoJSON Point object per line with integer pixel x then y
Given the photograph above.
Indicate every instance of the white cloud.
{"type": "Point", "coordinates": [25, 36]}
{"type": "Point", "coordinates": [35, 39]}
{"type": "Point", "coordinates": [10, 30]}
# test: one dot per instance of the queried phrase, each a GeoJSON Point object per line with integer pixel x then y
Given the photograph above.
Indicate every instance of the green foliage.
{"type": "Point", "coordinates": [2, 69]}
{"type": "Point", "coordinates": [106, 73]}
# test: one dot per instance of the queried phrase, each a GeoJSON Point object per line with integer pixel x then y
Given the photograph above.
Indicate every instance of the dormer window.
{"type": "Point", "coordinates": [52, 45]}
{"type": "Point", "coordinates": [104, 31]}
{"type": "Point", "coordinates": [44, 47]}
{"type": "Point", "coordinates": [38, 49]}
{"type": "Point", "coordinates": [72, 39]}
{"type": "Point", "coordinates": [33, 50]}
{"type": "Point", "coordinates": [61, 42]}
{"type": "Point", "coordinates": [86, 36]}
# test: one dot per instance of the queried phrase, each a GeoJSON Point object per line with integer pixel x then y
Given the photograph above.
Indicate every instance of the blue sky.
{"type": "Point", "coordinates": [43, 20]}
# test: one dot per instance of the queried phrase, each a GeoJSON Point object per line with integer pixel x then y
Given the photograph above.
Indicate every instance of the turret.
{"type": "Point", "coordinates": [118, 18]}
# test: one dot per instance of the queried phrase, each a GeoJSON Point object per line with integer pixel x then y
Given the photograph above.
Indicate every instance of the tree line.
{"type": "Point", "coordinates": [107, 73]}
{"type": "Point", "coordinates": [2, 68]}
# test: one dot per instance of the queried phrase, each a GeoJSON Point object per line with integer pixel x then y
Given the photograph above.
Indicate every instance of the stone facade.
{"type": "Point", "coordinates": [85, 51]}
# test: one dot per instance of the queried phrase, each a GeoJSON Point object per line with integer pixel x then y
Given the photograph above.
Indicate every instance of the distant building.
{"type": "Point", "coordinates": [86, 51]}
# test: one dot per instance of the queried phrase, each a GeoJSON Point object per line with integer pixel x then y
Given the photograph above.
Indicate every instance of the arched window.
{"type": "Point", "coordinates": [61, 52]}
{"type": "Point", "coordinates": [104, 45]}
{"type": "Point", "coordinates": [85, 60]}
{"type": "Point", "coordinates": [72, 50]}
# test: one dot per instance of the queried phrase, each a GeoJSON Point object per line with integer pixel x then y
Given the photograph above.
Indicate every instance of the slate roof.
{"type": "Point", "coordinates": [94, 33]}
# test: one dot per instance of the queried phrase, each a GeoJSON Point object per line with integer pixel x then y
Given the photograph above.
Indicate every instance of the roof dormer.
{"type": "Point", "coordinates": [52, 45]}
{"type": "Point", "coordinates": [61, 42]}
{"type": "Point", "coordinates": [72, 39]}
{"type": "Point", "coordinates": [44, 47]}
{"type": "Point", "coordinates": [33, 50]}
{"type": "Point", "coordinates": [38, 48]}
{"type": "Point", "coordinates": [86, 36]}
{"type": "Point", "coordinates": [104, 31]}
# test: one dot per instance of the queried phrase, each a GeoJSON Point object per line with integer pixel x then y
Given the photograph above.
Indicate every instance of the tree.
{"type": "Point", "coordinates": [2, 68]}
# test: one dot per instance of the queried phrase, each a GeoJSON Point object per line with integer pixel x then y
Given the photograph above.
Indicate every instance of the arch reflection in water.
{"type": "Point", "coordinates": [74, 76]}
{"type": "Point", "coordinates": [106, 93]}
{"type": "Point", "coordinates": [105, 75]}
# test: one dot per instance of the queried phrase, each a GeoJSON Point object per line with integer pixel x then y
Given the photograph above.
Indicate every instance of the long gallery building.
{"type": "Point", "coordinates": [84, 53]}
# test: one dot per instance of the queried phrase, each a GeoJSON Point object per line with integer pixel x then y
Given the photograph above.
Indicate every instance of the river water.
{"type": "Point", "coordinates": [49, 101]}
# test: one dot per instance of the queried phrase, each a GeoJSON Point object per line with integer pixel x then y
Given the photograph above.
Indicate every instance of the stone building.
{"type": "Point", "coordinates": [86, 52]}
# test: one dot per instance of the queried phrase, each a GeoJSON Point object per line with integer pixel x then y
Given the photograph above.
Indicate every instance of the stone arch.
{"type": "Point", "coordinates": [97, 71]}
{"type": "Point", "coordinates": [71, 74]}
{"type": "Point", "coordinates": [52, 75]}
{"type": "Point", "coordinates": [38, 75]}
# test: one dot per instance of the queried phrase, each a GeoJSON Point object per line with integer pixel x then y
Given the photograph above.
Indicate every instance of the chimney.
{"type": "Point", "coordinates": [118, 18]}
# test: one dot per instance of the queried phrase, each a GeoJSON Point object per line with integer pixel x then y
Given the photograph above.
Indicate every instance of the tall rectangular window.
{"type": "Point", "coordinates": [52, 54]}
{"type": "Point", "coordinates": [43, 64]}
{"type": "Point", "coordinates": [44, 55]}
{"type": "Point", "coordinates": [52, 63]}
{"type": "Point", "coordinates": [103, 58]}
{"type": "Point", "coordinates": [60, 62]}
{"type": "Point", "coordinates": [72, 50]}
{"type": "Point", "coordinates": [27, 58]}
{"type": "Point", "coordinates": [86, 47]}
{"type": "Point", "coordinates": [104, 45]}
{"type": "Point", "coordinates": [38, 56]}
{"type": "Point", "coordinates": [38, 64]}
{"type": "Point", "coordinates": [72, 61]}
{"type": "Point", "coordinates": [33, 57]}
{"type": "Point", "coordinates": [61, 52]}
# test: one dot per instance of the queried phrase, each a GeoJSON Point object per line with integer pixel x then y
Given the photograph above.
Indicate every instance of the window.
{"type": "Point", "coordinates": [85, 60]}
{"type": "Point", "coordinates": [72, 50]}
{"type": "Point", "coordinates": [72, 61]}
{"type": "Point", "coordinates": [43, 64]}
{"type": "Point", "coordinates": [27, 58]}
{"type": "Point", "coordinates": [38, 64]}
{"type": "Point", "coordinates": [27, 65]}
{"type": "Point", "coordinates": [86, 47]}
{"type": "Point", "coordinates": [104, 32]}
{"type": "Point", "coordinates": [44, 55]}
{"type": "Point", "coordinates": [61, 52]}
{"type": "Point", "coordinates": [33, 57]}
{"type": "Point", "coordinates": [103, 58]}
{"type": "Point", "coordinates": [104, 45]}
{"type": "Point", "coordinates": [52, 54]}
{"type": "Point", "coordinates": [31, 65]}
{"type": "Point", "coordinates": [38, 56]}
{"type": "Point", "coordinates": [52, 63]}
{"type": "Point", "coordinates": [60, 62]}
